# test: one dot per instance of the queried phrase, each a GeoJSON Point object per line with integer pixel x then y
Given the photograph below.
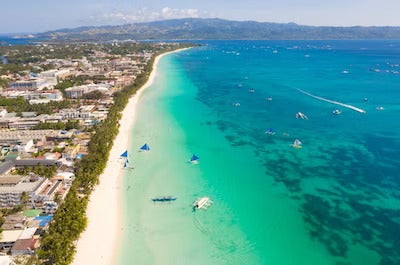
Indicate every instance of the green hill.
{"type": "Point", "coordinates": [219, 29]}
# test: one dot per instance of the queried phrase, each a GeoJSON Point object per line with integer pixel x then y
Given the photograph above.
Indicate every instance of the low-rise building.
{"type": "Point", "coordinates": [23, 124]}
{"type": "Point", "coordinates": [3, 112]}
{"type": "Point", "coordinates": [12, 187]}
{"type": "Point", "coordinates": [8, 239]}
{"type": "Point", "coordinates": [24, 246]}
{"type": "Point", "coordinates": [10, 137]}
{"type": "Point", "coordinates": [48, 191]}
{"type": "Point", "coordinates": [68, 114]}
{"type": "Point", "coordinates": [31, 84]}
{"type": "Point", "coordinates": [79, 91]}
{"type": "Point", "coordinates": [70, 152]}
{"type": "Point", "coordinates": [52, 76]}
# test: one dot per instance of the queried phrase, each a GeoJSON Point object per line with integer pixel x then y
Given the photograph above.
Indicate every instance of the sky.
{"type": "Point", "coordinates": [27, 16]}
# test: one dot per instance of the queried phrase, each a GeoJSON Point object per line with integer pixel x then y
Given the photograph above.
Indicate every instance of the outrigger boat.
{"type": "Point", "coordinates": [202, 203]}
{"type": "Point", "coordinates": [163, 199]}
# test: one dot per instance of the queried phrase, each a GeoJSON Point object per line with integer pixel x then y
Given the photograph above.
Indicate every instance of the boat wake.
{"type": "Point", "coordinates": [333, 102]}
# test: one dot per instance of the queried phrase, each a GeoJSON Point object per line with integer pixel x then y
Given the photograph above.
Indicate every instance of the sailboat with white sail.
{"type": "Point", "coordinates": [297, 144]}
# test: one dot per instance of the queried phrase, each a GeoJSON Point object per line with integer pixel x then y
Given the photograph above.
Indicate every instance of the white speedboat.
{"type": "Point", "coordinates": [202, 203]}
{"type": "Point", "coordinates": [300, 115]}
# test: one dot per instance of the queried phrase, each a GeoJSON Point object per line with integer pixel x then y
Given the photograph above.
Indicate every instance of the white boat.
{"type": "Point", "coordinates": [300, 115]}
{"type": "Point", "coordinates": [202, 203]}
{"type": "Point", "coordinates": [379, 108]}
{"type": "Point", "coordinates": [336, 112]}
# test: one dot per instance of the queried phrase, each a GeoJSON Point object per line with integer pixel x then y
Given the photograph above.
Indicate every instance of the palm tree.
{"type": "Point", "coordinates": [24, 198]}
{"type": "Point", "coordinates": [57, 198]}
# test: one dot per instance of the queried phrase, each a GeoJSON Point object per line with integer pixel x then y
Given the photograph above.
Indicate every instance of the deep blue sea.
{"type": "Point", "coordinates": [335, 201]}
{"type": "Point", "coordinates": [9, 40]}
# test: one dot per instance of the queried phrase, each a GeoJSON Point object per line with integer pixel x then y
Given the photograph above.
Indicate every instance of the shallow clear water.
{"type": "Point", "coordinates": [334, 201]}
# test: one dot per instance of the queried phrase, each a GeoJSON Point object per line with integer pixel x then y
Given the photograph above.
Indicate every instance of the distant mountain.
{"type": "Point", "coordinates": [219, 29]}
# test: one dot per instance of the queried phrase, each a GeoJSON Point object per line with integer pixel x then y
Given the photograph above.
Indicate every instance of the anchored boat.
{"type": "Point", "coordinates": [202, 203]}
{"type": "Point", "coordinates": [163, 199]}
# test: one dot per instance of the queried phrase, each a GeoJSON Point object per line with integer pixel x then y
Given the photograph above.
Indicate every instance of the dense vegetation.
{"type": "Point", "coordinates": [22, 105]}
{"type": "Point", "coordinates": [58, 245]}
{"type": "Point", "coordinates": [70, 124]}
{"type": "Point", "coordinates": [12, 68]}
{"type": "Point", "coordinates": [45, 171]}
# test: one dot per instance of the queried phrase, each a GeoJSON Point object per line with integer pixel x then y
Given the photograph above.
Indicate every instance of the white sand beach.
{"type": "Point", "coordinates": [99, 242]}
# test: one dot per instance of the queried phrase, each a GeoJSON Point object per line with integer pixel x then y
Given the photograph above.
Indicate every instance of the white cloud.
{"type": "Point", "coordinates": [170, 13]}
{"type": "Point", "coordinates": [143, 15]}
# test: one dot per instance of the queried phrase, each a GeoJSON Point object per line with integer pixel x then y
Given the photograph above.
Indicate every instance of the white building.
{"type": "Point", "coordinates": [52, 76]}
{"type": "Point", "coordinates": [55, 73]}
{"type": "Point", "coordinates": [79, 91]}
{"type": "Point", "coordinates": [12, 187]}
{"type": "Point", "coordinates": [32, 84]}
{"type": "Point", "coordinates": [3, 112]}
{"type": "Point", "coordinates": [26, 146]}
{"type": "Point", "coordinates": [73, 114]}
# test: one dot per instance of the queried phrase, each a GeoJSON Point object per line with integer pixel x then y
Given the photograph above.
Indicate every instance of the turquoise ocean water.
{"type": "Point", "coordinates": [335, 201]}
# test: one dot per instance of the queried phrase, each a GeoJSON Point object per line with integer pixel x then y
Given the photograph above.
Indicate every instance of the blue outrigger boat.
{"type": "Point", "coordinates": [163, 199]}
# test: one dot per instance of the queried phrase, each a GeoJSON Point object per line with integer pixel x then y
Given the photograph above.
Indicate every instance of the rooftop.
{"type": "Point", "coordinates": [26, 185]}
{"type": "Point", "coordinates": [27, 134]}
{"type": "Point", "coordinates": [24, 244]}
{"type": "Point", "coordinates": [6, 166]}
{"type": "Point", "coordinates": [28, 233]}
{"type": "Point", "coordinates": [10, 180]}
{"type": "Point", "coordinates": [10, 235]}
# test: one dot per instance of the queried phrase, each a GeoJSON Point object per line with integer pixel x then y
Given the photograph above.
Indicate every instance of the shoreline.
{"type": "Point", "coordinates": [100, 241]}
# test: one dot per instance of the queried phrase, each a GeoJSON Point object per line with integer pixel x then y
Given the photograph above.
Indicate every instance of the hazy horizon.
{"type": "Point", "coordinates": [46, 15]}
